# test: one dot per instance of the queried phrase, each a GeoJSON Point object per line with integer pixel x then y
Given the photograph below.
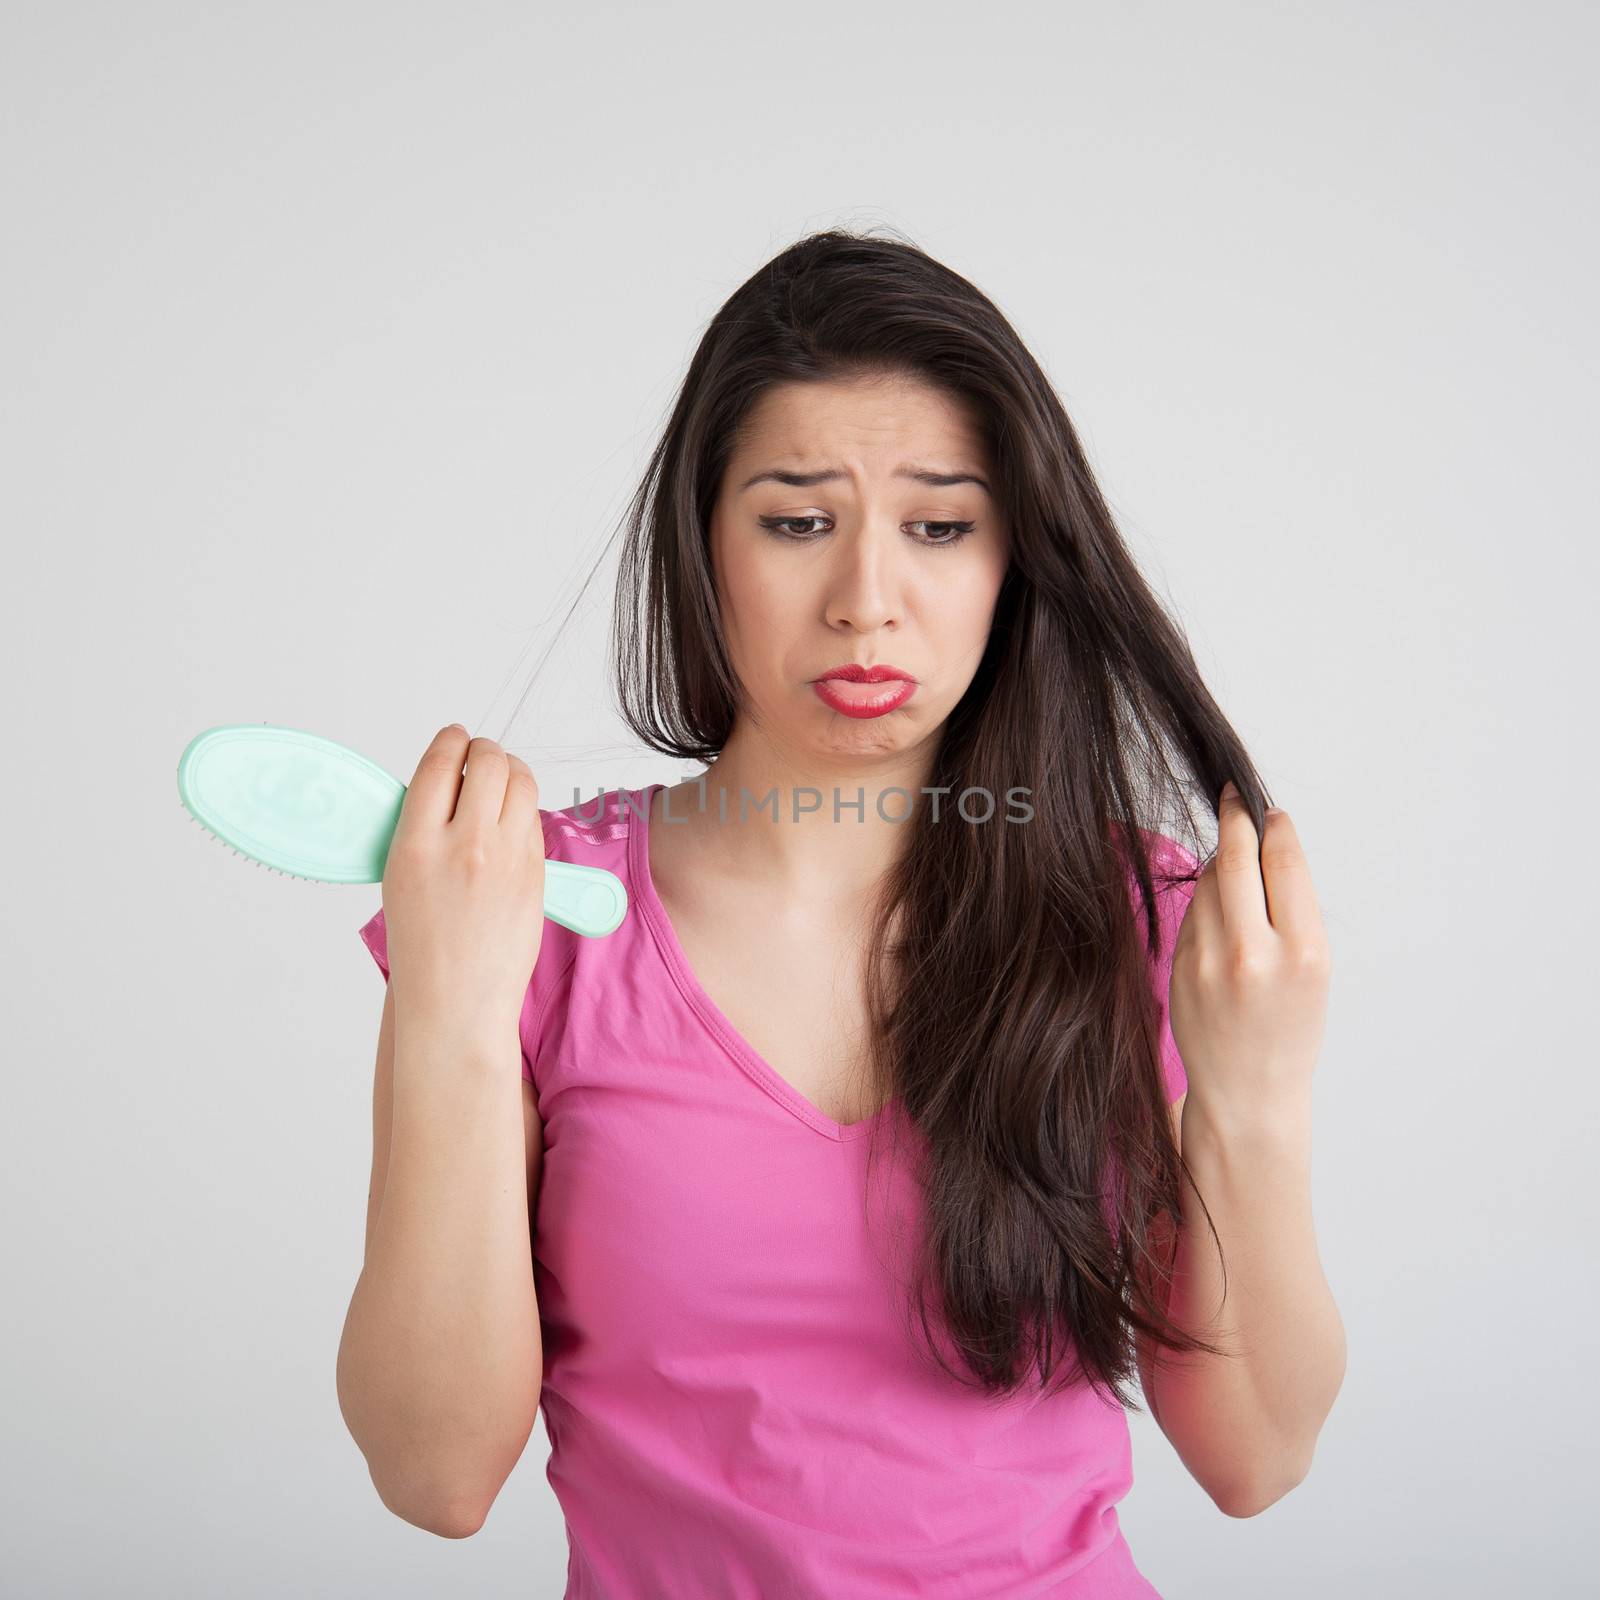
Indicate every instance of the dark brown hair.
{"type": "Point", "coordinates": [1012, 1016]}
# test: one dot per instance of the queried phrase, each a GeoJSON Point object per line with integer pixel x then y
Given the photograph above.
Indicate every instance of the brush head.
{"type": "Point", "coordinates": [292, 801]}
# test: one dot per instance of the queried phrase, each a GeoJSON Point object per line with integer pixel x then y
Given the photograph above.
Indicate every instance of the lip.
{"type": "Point", "coordinates": [854, 672]}
{"type": "Point", "coordinates": [856, 691]}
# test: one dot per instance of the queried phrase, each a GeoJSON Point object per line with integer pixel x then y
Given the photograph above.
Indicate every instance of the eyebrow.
{"type": "Point", "coordinates": [805, 480]}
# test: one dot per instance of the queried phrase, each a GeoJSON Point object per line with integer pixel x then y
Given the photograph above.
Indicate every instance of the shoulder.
{"type": "Point", "coordinates": [1166, 856]}
{"type": "Point", "coordinates": [1173, 869]}
{"type": "Point", "coordinates": [594, 830]}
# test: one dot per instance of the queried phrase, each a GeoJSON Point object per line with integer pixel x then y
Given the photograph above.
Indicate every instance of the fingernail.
{"type": "Point", "coordinates": [1228, 789]}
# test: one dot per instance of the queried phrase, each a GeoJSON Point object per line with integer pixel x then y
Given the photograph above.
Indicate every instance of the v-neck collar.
{"type": "Point", "coordinates": [755, 1066]}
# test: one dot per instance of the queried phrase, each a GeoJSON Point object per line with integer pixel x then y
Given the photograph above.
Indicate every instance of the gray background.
{"type": "Point", "coordinates": [332, 339]}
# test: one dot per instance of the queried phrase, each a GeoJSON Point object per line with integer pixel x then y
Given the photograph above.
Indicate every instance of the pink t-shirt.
{"type": "Point", "coordinates": [733, 1401]}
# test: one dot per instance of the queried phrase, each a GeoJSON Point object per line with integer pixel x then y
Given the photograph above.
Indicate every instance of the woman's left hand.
{"type": "Point", "coordinates": [1248, 998]}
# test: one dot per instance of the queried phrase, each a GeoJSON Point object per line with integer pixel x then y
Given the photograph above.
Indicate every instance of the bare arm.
{"type": "Point", "coordinates": [440, 1361]}
{"type": "Point", "coordinates": [1246, 1426]}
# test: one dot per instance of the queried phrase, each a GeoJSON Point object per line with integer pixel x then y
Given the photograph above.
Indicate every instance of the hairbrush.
{"type": "Point", "coordinates": [310, 807]}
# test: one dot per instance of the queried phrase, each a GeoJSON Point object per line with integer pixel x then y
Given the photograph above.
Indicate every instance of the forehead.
{"type": "Point", "coordinates": [811, 424]}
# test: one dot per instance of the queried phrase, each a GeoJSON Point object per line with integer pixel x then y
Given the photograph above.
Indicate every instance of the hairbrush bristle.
{"type": "Point", "coordinates": [299, 877]}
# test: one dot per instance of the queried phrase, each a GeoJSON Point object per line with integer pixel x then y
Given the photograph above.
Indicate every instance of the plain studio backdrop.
{"type": "Point", "coordinates": [332, 340]}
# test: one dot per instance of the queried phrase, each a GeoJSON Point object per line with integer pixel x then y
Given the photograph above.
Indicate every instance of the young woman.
{"type": "Point", "coordinates": [898, 1127]}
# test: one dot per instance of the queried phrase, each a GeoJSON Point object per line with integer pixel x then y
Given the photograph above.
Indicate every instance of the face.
{"type": "Point", "coordinates": [839, 553]}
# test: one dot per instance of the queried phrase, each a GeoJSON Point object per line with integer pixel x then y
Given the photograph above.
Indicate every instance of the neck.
{"type": "Point", "coordinates": [807, 827]}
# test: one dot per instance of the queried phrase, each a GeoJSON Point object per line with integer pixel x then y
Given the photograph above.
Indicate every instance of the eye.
{"type": "Point", "coordinates": [960, 531]}
{"type": "Point", "coordinates": [942, 534]}
{"type": "Point", "coordinates": [773, 524]}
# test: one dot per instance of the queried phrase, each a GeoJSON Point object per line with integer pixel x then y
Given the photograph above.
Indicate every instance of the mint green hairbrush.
{"type": "Point", "coordinates": [309, 807]}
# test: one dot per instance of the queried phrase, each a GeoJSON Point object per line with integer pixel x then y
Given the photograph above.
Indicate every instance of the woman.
{"type": "Point", "coordinates": [860, 1167]}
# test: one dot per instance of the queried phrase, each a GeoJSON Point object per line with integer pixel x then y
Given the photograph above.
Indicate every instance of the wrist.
{"type": "Point", "coordinates": [443, 1043]}
{"type": "Point", "coordinates": [1259, 1120]}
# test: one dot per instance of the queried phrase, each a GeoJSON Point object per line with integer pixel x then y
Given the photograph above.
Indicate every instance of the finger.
{"type": "Point", "coordinates": [1286, 875]}
{"type": "Point", "coordinates": [1240, 893]}
{"type": "Point", "coordinates": [483, 788]}
{"type": "Point", "coordinates": [521, 799]}
{"type": "Point", "coordinates": [431, 795]}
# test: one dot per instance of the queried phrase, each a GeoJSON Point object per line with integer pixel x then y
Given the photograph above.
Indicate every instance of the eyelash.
{"type": "Point", "coordinates": [773, 524]}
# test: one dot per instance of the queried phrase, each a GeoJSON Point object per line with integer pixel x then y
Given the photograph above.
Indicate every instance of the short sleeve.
{"type": "Point", "coordinates": [374, 935]}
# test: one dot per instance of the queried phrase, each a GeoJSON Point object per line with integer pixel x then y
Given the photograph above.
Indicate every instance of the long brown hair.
{"type": "Point", "coordinates": [1012, 1016]}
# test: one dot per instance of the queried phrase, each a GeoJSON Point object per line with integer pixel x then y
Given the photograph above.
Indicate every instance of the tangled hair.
{"type": "Point", "coordinates": [1012, 1015]}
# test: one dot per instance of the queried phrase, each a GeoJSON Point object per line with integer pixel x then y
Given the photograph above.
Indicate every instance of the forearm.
{"type": "Point", "coordinates": [440, 1363]}
{"type": "Point", "coordinates": [1246, 1424]}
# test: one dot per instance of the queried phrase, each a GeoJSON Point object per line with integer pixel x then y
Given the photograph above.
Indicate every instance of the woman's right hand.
{"type": "Point", "coordinates": [463, 889]}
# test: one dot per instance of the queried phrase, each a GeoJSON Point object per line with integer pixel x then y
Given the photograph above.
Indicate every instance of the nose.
{"type": "Point", "coordinates": [864, 580]}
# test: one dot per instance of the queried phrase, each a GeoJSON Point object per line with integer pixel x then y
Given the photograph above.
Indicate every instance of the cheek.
{"type": "Point", "coordinates": [758, 606]}
{"type": "Point", "coordinates": [965, 604]}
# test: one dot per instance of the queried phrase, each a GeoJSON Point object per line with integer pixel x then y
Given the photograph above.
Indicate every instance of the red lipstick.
{"type": "Point", "coordinates": [857, 691]}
